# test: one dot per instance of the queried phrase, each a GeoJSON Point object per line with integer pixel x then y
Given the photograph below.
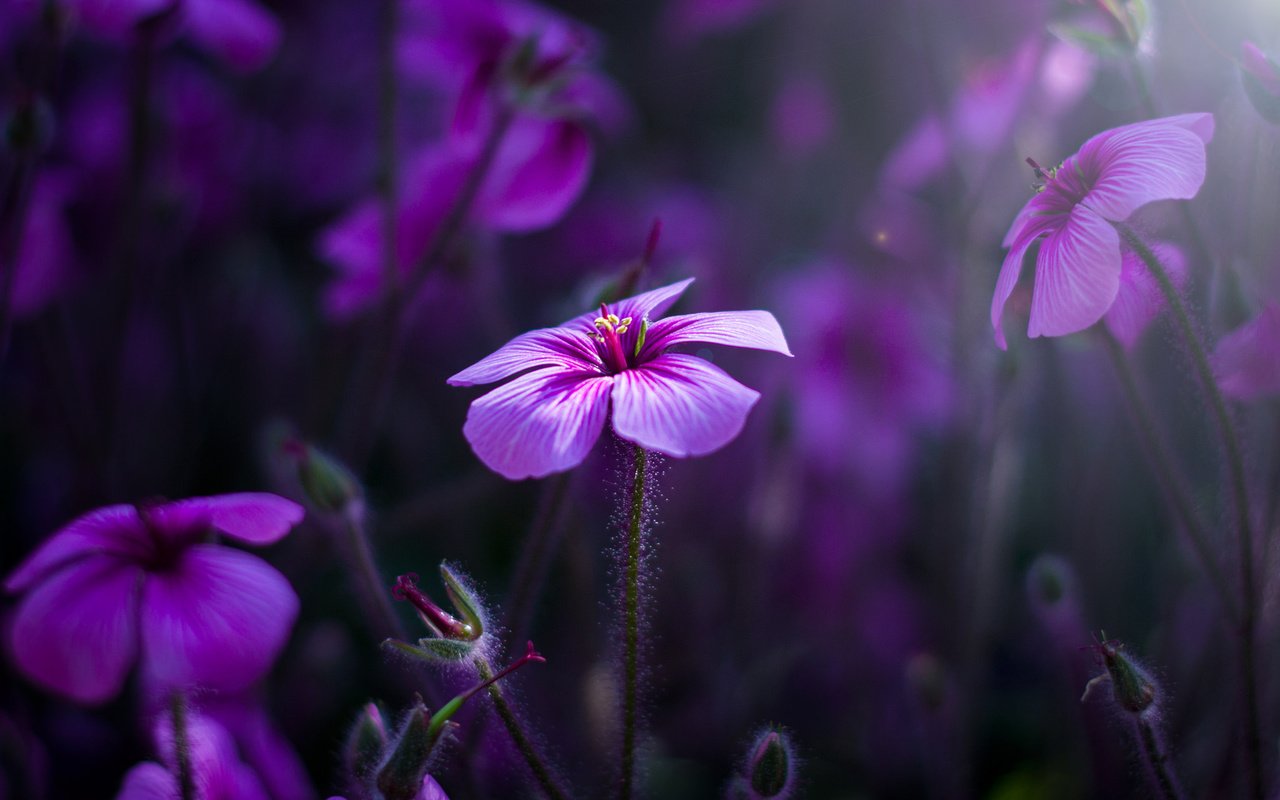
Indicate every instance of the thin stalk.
{"type": "Point", "coordinates": [1170, 479]}
{"type": "Point", "coordinates": [1157, 761]}
{"type": "Point", "coordinates": [541, 772]}
{"type": "Point", "coordinates": [1240, 495]}
{"type": "Point", "coordinates": [182, 746]}
{"type": "Point", "coordinates": [381, 615]}
{"type": "Point", "coordinates": [631, 631]}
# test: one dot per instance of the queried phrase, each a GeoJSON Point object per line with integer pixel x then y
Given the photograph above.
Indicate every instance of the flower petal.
{"type": "Point", "coordinates": [539, 423]}
{"type": "Point", "coordinates": [1139, 298]}
{"type": "Point", "coordinates": [757, 330]}
{"type": "Point", "coordinates": [1139, 164]}
{"type": "Point", "coordinates": [564, 347]}
{"type": "Point", "coordinates": [680, 405]}
{"type": "Point", "coordinates": [539, 172]}
{"type": "Point", "coordinates": [1077, 276]}
{"type": "Point", "coordinates": [250, 517]}
{"type": "Point", "coordinates": [114, 530]}
{"type": "Point", "coordinates": [76, 632]}
{"type": "Point", "coordinates": [1011, 269]}
{"type": "Point", "coordinates": [243, 34]}
{"type": "Point", "coordinates": [1245, 359]}
{"type": "Point", "coordinates": [217, 619]}
{"type": "Point", "coordinates": [149, 781]}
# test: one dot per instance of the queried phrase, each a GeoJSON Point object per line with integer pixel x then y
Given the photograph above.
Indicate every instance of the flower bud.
{"type": "Point", "coordinates": [400, 777]}
{"type": "Point", "coordinates": [1132, 686]}
{"type": "Point", "coordinates": [1260, 75]}
{"type": "Point", "coordinates": [769, 770]}
{"type": "Point", "coordinates": [329, 486]}
{"type": "Point", "coordinates": [366, 743]}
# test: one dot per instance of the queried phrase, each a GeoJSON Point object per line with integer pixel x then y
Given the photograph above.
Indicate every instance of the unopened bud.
{"type": "Point", "coordinates": [770, 768]}
{"type": "Point", "coordinates": [329, 485]}
{"type": "Point", "coordinates": [1260, 75]}
{"type": "Point", "coordinates": [464, 599]}
{"type": "Point", "coordinates": [366, 744]}
{"type": "Point", "coordinates": [400, 777]}
{"type": "Point", "coordinates": [1132, 686]}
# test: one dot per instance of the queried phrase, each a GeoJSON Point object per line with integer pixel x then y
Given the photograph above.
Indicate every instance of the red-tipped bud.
{"type": "Point", "coordinates": [441, 623]}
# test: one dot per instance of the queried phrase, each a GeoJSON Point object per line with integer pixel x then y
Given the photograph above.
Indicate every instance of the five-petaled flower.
{"type": "Point", "coordinates": [1073, 216]}
{"type": "Point", "coordinates": [126, 578]}
{"type": "Point", "coordinates": [547, 419]}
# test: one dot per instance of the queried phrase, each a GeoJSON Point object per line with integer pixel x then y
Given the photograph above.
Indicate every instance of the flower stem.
{"type": "Point", "coordinates": [541, 772]}
{"type": "Point", "coordinates": [1170, 480]}
{"type": "Point", "coordinates": [1157, 761]}
{"type": "Point", "coordinates": [1247, 619]}
{"type": "Point", "coordinates": [631, 609]}
{"type": "Point", "coordinates": [182, 745]}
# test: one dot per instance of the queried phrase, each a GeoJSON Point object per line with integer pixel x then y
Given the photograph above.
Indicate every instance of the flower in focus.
{"type": "Point", "coordinates": [127, 581]}
{"type": "Point", "coordinates": [216, 770]}
{"type": "Point", "coordinates": [1072, 217]}
{"type": "Point", "coordinates": [547, 419]}
{"type": "Point", "coordinates": [1247, 360]}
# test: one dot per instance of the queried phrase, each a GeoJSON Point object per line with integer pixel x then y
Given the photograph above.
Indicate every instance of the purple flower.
{"type": "Point", "coordinates": [1247, 360]}
{"type": "Point", "coordinates": [1113, 175]}
{"type": "Point", "coordinates": [547, 419]}
{"type": "Point", "coordinates": [127, 581]}
{"type": "Point", "coordinates": [430, 791]}
{"type": "Point", "coordinates": [216, 770]}
{"type": "Point", "coordinates": [1139, 299]}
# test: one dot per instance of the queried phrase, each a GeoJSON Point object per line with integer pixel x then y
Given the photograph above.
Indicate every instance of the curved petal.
{"type": "Point", "coordinates": [250, 517]}
{"type": "Point", "coordinates": [1011, 269]}
{"type": "Point", "coordinates": [1139, 298]}
{"type": "Point", "coordinates": [243, 34]}
{"type": "Point", "coordinates": [76, 632]}
{"type": "Point", "coordinates": [537, 176]}
{"type": "Point", "coordinates": [1139, 164]}
{"type": "Point", "coordinates": [1077, 276]}
{"type": "Point", "coordinates": [114, 530]}
{"type": "Point", "coordinates": [564, 347]}
{"type": "Point", "coordinates": [217, 619]}
{"type": "Point", "coordinates": [149, 781]}
{"type": "Point", "coordinates": [539, 423]}
{"type": "Point", "coordinates": [757, 330]}
{"type": "Point", "coordinates": [652, 304]}
{"type": "Point", "coordinates": [1245, 359]}
{"type": "Point", "coordinates": [680, 405]}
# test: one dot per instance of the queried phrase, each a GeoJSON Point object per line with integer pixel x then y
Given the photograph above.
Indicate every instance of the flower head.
{"type": "Point", "coordinates": [547, 419]}
{"type": "Point", "coordinates": [1072, 216]}
{"type": "Point", "coordinates": [126, 581]}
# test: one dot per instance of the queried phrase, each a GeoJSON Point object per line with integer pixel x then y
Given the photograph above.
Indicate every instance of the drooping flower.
{"type": "Point", "coordinates": [1247, 360]}
{"type": "Point", "coordinates": [1114, 174]}
{"type": "Point", "coordinates": [144, 581]}
{"type": "Point", "coordinates": [572, 375]}
{"type": "Point", "coordinates": [216, 770]}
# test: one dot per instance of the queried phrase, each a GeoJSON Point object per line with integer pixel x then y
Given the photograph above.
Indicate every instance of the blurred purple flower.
{"type": "Point", "coordinates": [803, 115]}
{"type": "Point", "coordinates": [688, 20]}
{"type": "Point", "coordinates": [547, 419]}
{"type": "Point", "coordinates": [216, 770]}
{"type": "Point", "coordinates": [430, 791]}
{"type": "Point", "coordinates": [124, 579]}
{"type": "Point", "coordinates": [240, 32]}
{"type": "Point", "coordinates": [1247, 360]}
{"type": "Point", "coordinates": [1261, 67]}
{"type": "Point", "coordinates": [46, 259]}
{"type": "Point", "coordinates": [1113, 175]}
{"type": "Point", "coordinates": [1139, 299]}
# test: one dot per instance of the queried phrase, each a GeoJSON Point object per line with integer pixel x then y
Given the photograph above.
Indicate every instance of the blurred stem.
{"type": "Point", "coordinates": [1170, 479]}
{"type": "Point", "coordinates": [1247, 620]}
{"type": "Point", "coordinates": [388, 178]}
{"type": "Point", "coordinates": [541, 772]}
{"type": "Point", "coordinates": [377, 607]}
{"type": "Point", "coordinates": [388, 332]}
{"type": "Point", "coordinates": [535, 559]}
{"type": "Point", "coordinates": [182, 745]}
{"type": "Point", "coordinates": [631, 610]}
{"type": "Point", "coordinates": [1157, 761]}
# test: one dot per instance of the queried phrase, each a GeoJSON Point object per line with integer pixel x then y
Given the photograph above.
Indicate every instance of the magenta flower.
{"type": "Point", "coordinates": [547, 419]}
{"type": "Point", "coordinates": [1139, 299]}
{"type": "Point", "coordinates": [128, 581]}
{"type": "Point", "coordinates": [1247, 360]}
{"type": "Point", "coordinates": [216, 770]}
{"type": "Point", "coordinates": [1072, 217]}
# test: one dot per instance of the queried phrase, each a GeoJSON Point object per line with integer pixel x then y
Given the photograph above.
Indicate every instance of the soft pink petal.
{"type": "Point", "coordinates": [217, 619]}
{"type": "Point", "coordinates": [1247, 360]}
{"type": "Point", "coordinates": [216, 768]}
{"type": "Point", "coordinates": [76, 632]}
{"type": "Point", "coordinates": [241, 33]}
{"type": "Point", "coordinates": [264, 748]}
{"type": "Point", "coordinates": [1256, 63]}
{"type": "Point", "coordinates": [250, 517]}
{"type": "Point", "coordinates": [1139, 164]}
{"type": "Point", "coordinates": [540, 171]}
{"type": "Point", "coordinates": [680, 405]}
{"type": "Point", "coordinates": [1077, 276]}
{"type": "Point", "coordinates": [919, 157]}
{"type": "Point", "coordinates": [757, 330]}
{"type": "Point", "coordinates": [114, 530]}
{"type": "Point", "coordinates": [1139, 298]}
{"type": "Point", "coordinates": [568, 348]}
{"type": "Point", "coordinates": [652, 304]}
{"type": "Point", "coordinates": [1011, 269]}
{"type": "Point", "coordinates": [114, 17]}
{"type": "Point", "coordinates": [541, 422]}
{"type": "Point", "coordinates": [431, 790]}
{"type": "Point", "coordinates": [149, 781]}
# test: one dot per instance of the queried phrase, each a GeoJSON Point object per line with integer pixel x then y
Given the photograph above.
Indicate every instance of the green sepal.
{"type": "Point", "coordinates": [435, 651]}
{"type": "Point", "coordinates": [463, 599]}
{"type": "Point", "coordinates": [401, 776]}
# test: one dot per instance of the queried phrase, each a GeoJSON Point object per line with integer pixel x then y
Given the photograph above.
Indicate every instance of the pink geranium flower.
{"type": "Point", "coordinates": [547, 419]}
{"type": "Point", "coordinates": [1247, 360]}
{"type": "Point", "coordinates": [1139, 299]}
{"type": "Point", "coordinates": [146, 581]}
{"type": "Point", "coordinates": [1073, 218]}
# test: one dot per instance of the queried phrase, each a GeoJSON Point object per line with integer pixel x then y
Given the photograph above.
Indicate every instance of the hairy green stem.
{"type": "Point", "coordinates": [631, 631]}
{"type": "Point", "coordinates": [182, 745]}
{"type": "Point", "coordinates": [1247, 619]}
{"type": "Point", "coordinates": [1170, 479]}
{"type": "Point", "coordinates": [541, 772]}
{"type": "Point", "coordinates": [1157, 760]}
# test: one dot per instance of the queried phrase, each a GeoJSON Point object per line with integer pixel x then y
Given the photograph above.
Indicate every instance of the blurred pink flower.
{"type": "Point", "coordinates": [1139, 299]}
{"type": "Point", "coordinates": [1247, 360]}
{"type": "Point", "coordinates": [125, 581]}
{"type": "Point", "coordinates": [1261, 67]}
{"type": "Point", "coordinates": [430, 791]}
{"type": "Point", "coordinates": [1114, 174]}
{"type": "Point", "coordinates": [216, 770]}
{"type": "Point", "coordinates": [547, 419]}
